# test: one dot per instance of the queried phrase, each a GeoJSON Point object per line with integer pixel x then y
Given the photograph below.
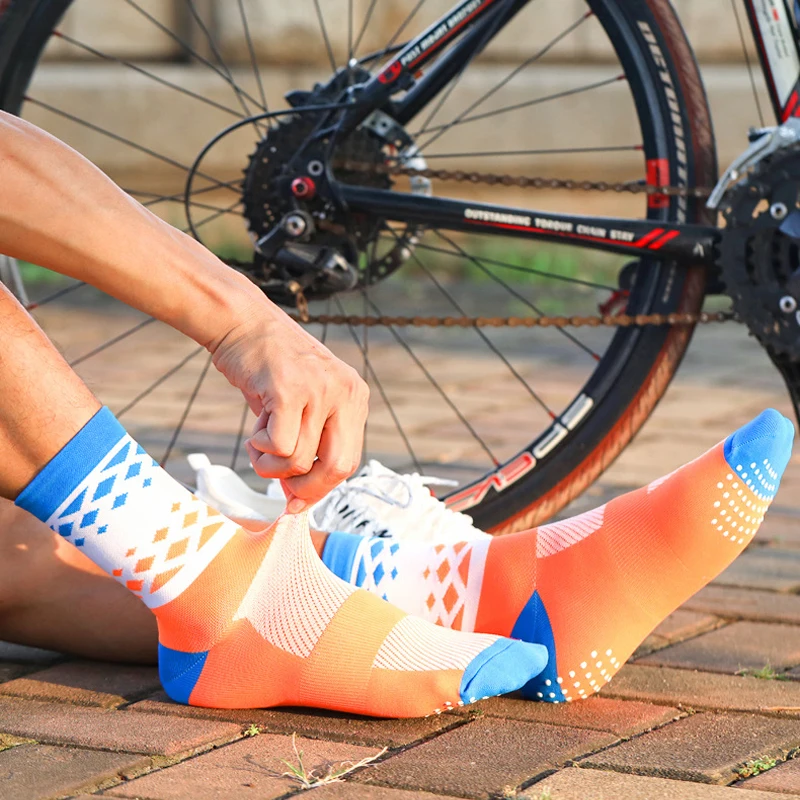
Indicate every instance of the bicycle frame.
{"type": "Point", "coordinates": [467, 29]}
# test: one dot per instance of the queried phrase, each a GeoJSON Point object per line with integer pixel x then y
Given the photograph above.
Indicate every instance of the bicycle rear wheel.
{"type": "Point", "coordinates": [524, 420]}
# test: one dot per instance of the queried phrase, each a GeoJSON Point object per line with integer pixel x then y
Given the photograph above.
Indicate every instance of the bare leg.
{"type": "Point", "coordinates": [52, 596]}
{"type": "Point", "coordinates": [43, 403]}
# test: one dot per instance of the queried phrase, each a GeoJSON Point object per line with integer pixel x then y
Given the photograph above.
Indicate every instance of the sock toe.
{"type": "Point", "coordinates": [759, 452]}
{"type": "Point", "coordinates": [503, 667]}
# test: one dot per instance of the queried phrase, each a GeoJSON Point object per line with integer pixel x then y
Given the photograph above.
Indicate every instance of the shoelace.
{"type": "Point", "coordinates": [341, 506]}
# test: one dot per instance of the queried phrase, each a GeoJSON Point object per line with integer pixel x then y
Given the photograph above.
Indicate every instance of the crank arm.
{"type": "Point", "coordinates": [665, 241]}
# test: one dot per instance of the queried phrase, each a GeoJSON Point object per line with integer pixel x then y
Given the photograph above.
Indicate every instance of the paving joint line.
{"type": "Point", "coordinates": [720, 622]}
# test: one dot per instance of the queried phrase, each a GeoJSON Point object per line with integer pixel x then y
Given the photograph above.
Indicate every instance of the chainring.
{"type": "Point", "coordinates": [757, 259]}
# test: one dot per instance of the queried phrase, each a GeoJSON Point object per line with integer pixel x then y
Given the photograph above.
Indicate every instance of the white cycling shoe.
{"type": "Point", "coordinates": [376, 502]}
{"type": "Point", "coordinates": [381, 502]}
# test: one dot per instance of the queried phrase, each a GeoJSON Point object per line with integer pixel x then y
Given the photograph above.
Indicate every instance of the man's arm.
{"type": "Point", "coordinates": [59, 211]}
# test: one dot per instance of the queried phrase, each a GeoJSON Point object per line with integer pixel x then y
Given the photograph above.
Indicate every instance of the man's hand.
{"type": "Point", "coordinates": [311, 406]}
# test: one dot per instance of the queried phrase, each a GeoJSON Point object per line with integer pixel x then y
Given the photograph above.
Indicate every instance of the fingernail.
{"type": "Point", "coordinates": [296, 506]}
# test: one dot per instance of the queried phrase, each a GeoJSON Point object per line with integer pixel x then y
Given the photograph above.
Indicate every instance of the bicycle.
{"type": "Point", "coordinates": [340, 202]}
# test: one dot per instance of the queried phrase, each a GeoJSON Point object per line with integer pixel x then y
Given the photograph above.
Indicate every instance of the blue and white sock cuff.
{"type": "Point", "coordinates": [70, 467]}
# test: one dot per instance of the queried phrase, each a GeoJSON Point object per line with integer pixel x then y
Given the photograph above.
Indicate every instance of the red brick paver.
{"type": "Point", "coordinates": [485, 757]}
{"type": "Point", "coordinates": [597, 713]}
{"type": "Point", "coordinates": [311, 722]}
{"type": "Point", "coordinates": [350, 791]}
{"type": "Point", "coordinates": [726, 601]}
{"type": "Point", "coordinates": [705, 690]}
{"type": "Point", "coordinates": [86, 683]}
{"type": "Point", "coordinates": [38, 771]}
{"type": "Point", "coordinates": [111, 730]}
{"type": "Point", "coordinates": [681, 624]}
{"type": "Point", "coordinates": [764, 568]}
{"type": "Point", "coordinates": [785, 778]}
{"type": "Point", "coordinates": [736, 647]}
{"type": "Point", "coordinates": [252, 768]}
{"type": "Point", "coordinates": [593, 784]}
{"type": "Point", "coordinates": [707, 747]}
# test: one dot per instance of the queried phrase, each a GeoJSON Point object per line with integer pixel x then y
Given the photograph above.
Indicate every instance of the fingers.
{"type": "Point", "coordinates": [274, 456]}
{"type": "Point", "coordinates": [338, 457]}
{"type": "Point", "coordinates": [277, 430]}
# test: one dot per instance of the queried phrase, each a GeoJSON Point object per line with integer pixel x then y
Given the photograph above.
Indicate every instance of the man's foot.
{"type": "Point", "coordinates": [590, 588]}
{"type": "Point", "coordinates": [253, 620]}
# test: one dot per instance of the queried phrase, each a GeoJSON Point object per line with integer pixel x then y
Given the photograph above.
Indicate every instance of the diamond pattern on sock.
{"type": "Point", "coordinates": [149, 568]}
{"type": "Point", "coordinates": [444, 572]}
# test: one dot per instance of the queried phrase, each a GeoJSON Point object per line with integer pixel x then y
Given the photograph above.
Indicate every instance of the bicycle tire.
{"type": "Point", "coordinates": [635, 371]}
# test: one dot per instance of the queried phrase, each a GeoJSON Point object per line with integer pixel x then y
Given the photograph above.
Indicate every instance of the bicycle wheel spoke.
{"type": "Point", "coordinates": [325, 36]}
{"type": "Point", "coordinates": [158, 79]}
{"type": "Point", "coordinates": [349, 32]}
{"type": "Point", "coordinates": [527, 104]}
{"type": "Point", "coordinates": [525, 270]}
{"type": "Point", "coordinates": [524, 65]}
{"type": "Point", "coordinates": [180, 196]}
{"type": "Point", "coordinates": [406, 22]}
{"type": "Point", "coordinates": [195, 391]}
{"type": "Point", "coordinates": [55, 296]}
{"type": "Point", "coordinates": [188, 49]}
{"type": "Point", "coordinates": [215, 50]}
{"type": "Point", "coordinates": [253, 59]}
{"type": "Point", "coordinates": [746, 54]}
{"type": "Point", "coordinates": [514, 293]}
{"type": "Point", "coordinates": [111, 342]}
{"type": "Point", "coordinates": [121, 139]}
{"type": "Point", "coordinates": [453, 407]}
{"type": "Point", "coordinates": [389, 407]}
{"type": "Point", "coordinates": [239, 437]}
{"type": "Point", "coordinates": [365, 24]}
{"type": "Point", "coordinates": [153, 386]}
{"type": "Point", "coordinates": [457, 79]}
{"type": "Point", "coordinates": [482, 335]}
{"type": "Point", "coordinates": [220, 212]}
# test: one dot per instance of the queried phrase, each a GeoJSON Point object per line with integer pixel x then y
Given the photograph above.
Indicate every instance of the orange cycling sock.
{"type": "Point", "coordinates": [590, 588]}
{"type": "Point", "coordinates": [250, 620]}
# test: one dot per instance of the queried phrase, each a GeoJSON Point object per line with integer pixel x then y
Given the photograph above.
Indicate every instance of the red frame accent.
{"type": "Point", "coordinates": [657, 175]}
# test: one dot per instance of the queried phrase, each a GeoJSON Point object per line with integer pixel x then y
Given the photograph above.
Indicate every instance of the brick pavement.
{"type": "Point", "coordinates": [690, 719]}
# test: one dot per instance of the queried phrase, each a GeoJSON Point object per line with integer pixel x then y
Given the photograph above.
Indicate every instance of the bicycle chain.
{"type": "Point", "coordinates": [525, 182]}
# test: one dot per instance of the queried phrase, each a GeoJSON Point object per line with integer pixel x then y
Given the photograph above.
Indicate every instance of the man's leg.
{"type": "Point", "coordinates": [244, 619]}
{"type": "Point", "coordinates": [52, 596]}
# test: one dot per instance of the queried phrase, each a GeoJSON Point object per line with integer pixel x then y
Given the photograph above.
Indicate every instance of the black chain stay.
{"type": "Point", "coordinates": [525, 182]}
